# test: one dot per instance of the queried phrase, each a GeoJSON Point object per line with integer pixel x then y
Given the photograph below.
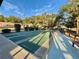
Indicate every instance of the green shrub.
{"type": "Point", "coordinates": [31, 28]}
{"type": "Point", "coordinates": [26, 28]}
{"type": "Point", "coordinates": [17, 27]}
{"type": "Point", "coordinates": [6, 30]}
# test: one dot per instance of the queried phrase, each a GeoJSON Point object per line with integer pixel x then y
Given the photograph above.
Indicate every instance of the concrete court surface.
{"type": "Point", "coordinates": [61, 48]}
{"type": "Point", "coordinates": [10, 50]}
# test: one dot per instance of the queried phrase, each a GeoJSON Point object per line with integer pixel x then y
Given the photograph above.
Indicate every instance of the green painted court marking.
{"type": "Point", "coordinates": [36, 44]}
{"type": "Point", "coordinates": [22, 37]}
{"type": "Point", "coordinates": [30, 41]}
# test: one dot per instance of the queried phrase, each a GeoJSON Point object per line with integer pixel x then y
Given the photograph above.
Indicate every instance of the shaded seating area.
{"type": "Point", "coordinates": [73, 36]}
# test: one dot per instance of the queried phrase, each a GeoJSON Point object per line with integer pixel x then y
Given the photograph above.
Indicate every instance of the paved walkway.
{"type": "Point", "coordinates": [61, 48]}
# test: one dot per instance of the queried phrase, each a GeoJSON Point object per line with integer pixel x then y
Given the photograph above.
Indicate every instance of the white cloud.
{"type": "Point", "coordinates": [38, 13]}
{"type": "Point", "coordinates": [11, 7]}
{"type": "Point", "coordinates": [46, 8]}
{"type": "Point", "coordinates": [36, 10]}
{"type": "Point", "coordinates": [49, 5]}
{"type": "Point", "coordinates": [42, 10]}
{"type": "Point", "coordinates": [0, 13]}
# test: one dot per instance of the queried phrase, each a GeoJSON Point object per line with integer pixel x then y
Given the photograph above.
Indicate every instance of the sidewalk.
{"type": "Point", "coordinates": [61, 48]}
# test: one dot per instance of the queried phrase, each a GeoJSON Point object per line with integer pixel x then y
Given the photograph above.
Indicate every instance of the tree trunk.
{"type": "Point", "coordinates": [77, 25]}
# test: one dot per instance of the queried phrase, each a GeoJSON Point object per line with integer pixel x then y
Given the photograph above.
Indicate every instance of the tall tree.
{"type": "Point", "coordinates": [1, 18]}
{"type": "Point", "coordinates": [72, 9]}
{"type": "Point", "coordinates": [14, 19]}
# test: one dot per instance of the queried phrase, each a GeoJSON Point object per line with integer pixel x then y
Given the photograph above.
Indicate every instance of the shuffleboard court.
{"type": "Point", "coordinates": [30, 41]}
{"type": "Point", "coordinates": [61, 48]}
{"type": "Point", "coordinates": [34, 44]}
{"type": "Point", "coordinates": [21, 35]}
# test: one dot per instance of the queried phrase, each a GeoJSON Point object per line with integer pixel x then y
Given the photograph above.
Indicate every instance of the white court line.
{"type": "Point", "coordinates": [64, 49]}
{"type": "Point", "coordinates": [26, 39]}
{"type": "Point", "coordinates": [40, 53]}
{"type": "Point", "coordinates": [21, 33]}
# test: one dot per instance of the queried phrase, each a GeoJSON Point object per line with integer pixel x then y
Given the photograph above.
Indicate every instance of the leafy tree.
{"type": "Point", "coordinates": [14, 19]}
{"type": "Point", "coordinates": [1, 18]}
{"type": "Point", "coordinates": [69, 24]}
{"type": "Point", "coordinates": [72, 9]}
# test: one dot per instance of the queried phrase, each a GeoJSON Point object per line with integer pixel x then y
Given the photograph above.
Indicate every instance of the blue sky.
{"type": "Point", "coordinates": [28, 8]}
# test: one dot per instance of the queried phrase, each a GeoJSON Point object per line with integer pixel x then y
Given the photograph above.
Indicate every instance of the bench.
{"type": "Point", "coordinates": [76, 41]}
